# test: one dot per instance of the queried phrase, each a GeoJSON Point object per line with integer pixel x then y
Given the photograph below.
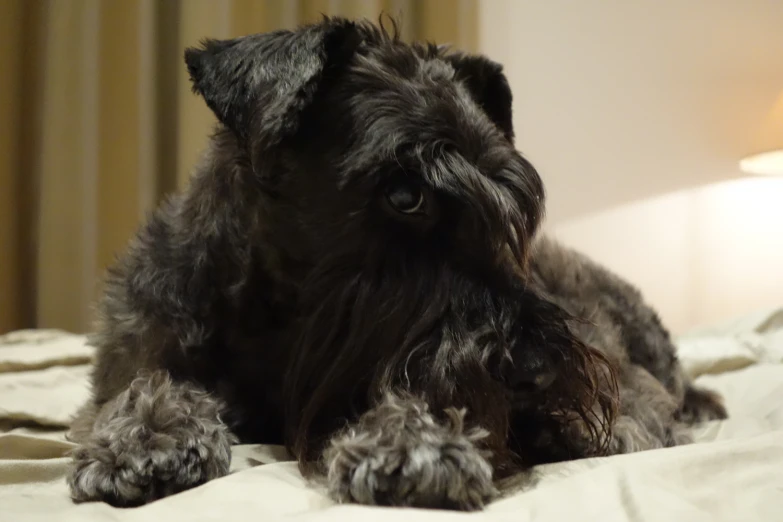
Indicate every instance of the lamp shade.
{"type": "Point", "coordinates": [767, 156]}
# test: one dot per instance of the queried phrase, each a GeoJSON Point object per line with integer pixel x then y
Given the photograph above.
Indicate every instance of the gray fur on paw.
{"type": "Point", "coordinates": [155, 439]}
{"type": "Point", "coordinates": [398, 454]}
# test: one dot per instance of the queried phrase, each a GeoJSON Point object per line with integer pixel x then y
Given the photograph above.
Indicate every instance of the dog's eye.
{"type": "Point", "coordinates": [405, 198]}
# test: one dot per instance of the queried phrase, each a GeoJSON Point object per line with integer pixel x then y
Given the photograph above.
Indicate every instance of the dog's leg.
{"type": "Point", "coordinates": [647, 415]}
{"type": "Point", "coordinates": [400, 454]}
{"type": "Point", "coordinates": [154, 439]}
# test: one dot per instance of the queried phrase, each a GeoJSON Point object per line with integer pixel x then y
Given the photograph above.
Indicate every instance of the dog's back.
{"type": "Point", "coordinates": [613, 316]}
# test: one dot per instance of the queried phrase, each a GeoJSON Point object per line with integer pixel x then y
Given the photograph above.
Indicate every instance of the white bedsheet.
{"type": "Point", "coordinates": [734, 472]}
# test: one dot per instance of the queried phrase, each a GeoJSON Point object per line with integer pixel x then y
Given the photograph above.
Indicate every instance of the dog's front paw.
{"type": "Point", "coordinates": [132, 473]}
{"type": "Point", "coordinates": [155, 439]}
{"type": "Point", "coordinates": [400, 455]}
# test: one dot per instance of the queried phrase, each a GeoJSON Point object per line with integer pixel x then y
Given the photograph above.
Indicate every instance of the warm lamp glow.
{"type": "Point", "coordinates": [768, 159]}
{"type": "Point", "coordinates": [768, 163]}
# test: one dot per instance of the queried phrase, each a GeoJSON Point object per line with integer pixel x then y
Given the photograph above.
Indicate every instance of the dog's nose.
{"type": "Point", "coordinates": [533, 381]}
{"type": "Point", "coordinates": [532, 371]}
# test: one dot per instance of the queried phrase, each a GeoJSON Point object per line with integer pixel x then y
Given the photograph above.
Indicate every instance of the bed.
{"type": "Point", "coordinates": [734, 472]}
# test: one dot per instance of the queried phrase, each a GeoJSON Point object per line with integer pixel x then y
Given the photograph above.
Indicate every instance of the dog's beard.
{"type": "Point", "coordinates": [368, 331]}
{"type": "Point", "coordinates": [573, 417]}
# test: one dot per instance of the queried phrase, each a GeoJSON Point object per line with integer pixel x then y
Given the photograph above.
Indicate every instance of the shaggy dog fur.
{"type": "Point", "coordinates": [354, 272]}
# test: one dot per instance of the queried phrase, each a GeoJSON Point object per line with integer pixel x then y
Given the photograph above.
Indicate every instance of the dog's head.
{"type": "Point", "coordinates": [398, 204]}
{"type": "Point", "coordinates": [362, 138]}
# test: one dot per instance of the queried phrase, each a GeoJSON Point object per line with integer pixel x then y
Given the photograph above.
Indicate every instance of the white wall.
{"type": "Point", "coordinates": [634, 113]}
{"type": "Point", "coordinates": [700, 255]}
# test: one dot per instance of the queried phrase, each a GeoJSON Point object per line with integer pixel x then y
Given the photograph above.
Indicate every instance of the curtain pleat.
{"type": "Point", "coordinates": [10, 92]}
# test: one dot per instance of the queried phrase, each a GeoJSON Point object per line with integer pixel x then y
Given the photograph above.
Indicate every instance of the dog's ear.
{"type": "Point", "coordinates": [257, 85]}
{"type": "Point", "coordinates": [488, 86]}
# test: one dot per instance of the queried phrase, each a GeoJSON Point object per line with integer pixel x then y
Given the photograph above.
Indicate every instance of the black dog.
{"type": "Point", "coordinates": [354, 272]}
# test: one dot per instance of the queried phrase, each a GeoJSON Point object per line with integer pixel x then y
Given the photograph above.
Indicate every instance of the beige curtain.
{"type": "Point", "coordinates": [97, 123]}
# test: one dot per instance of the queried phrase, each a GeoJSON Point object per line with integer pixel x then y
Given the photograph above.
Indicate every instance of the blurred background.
{"type": "Point", "coordinates": [635, 113]}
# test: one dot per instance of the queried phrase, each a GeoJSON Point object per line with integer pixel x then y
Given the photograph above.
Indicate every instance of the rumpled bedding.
{"type": "Point", "coordinates": [733, 473]}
